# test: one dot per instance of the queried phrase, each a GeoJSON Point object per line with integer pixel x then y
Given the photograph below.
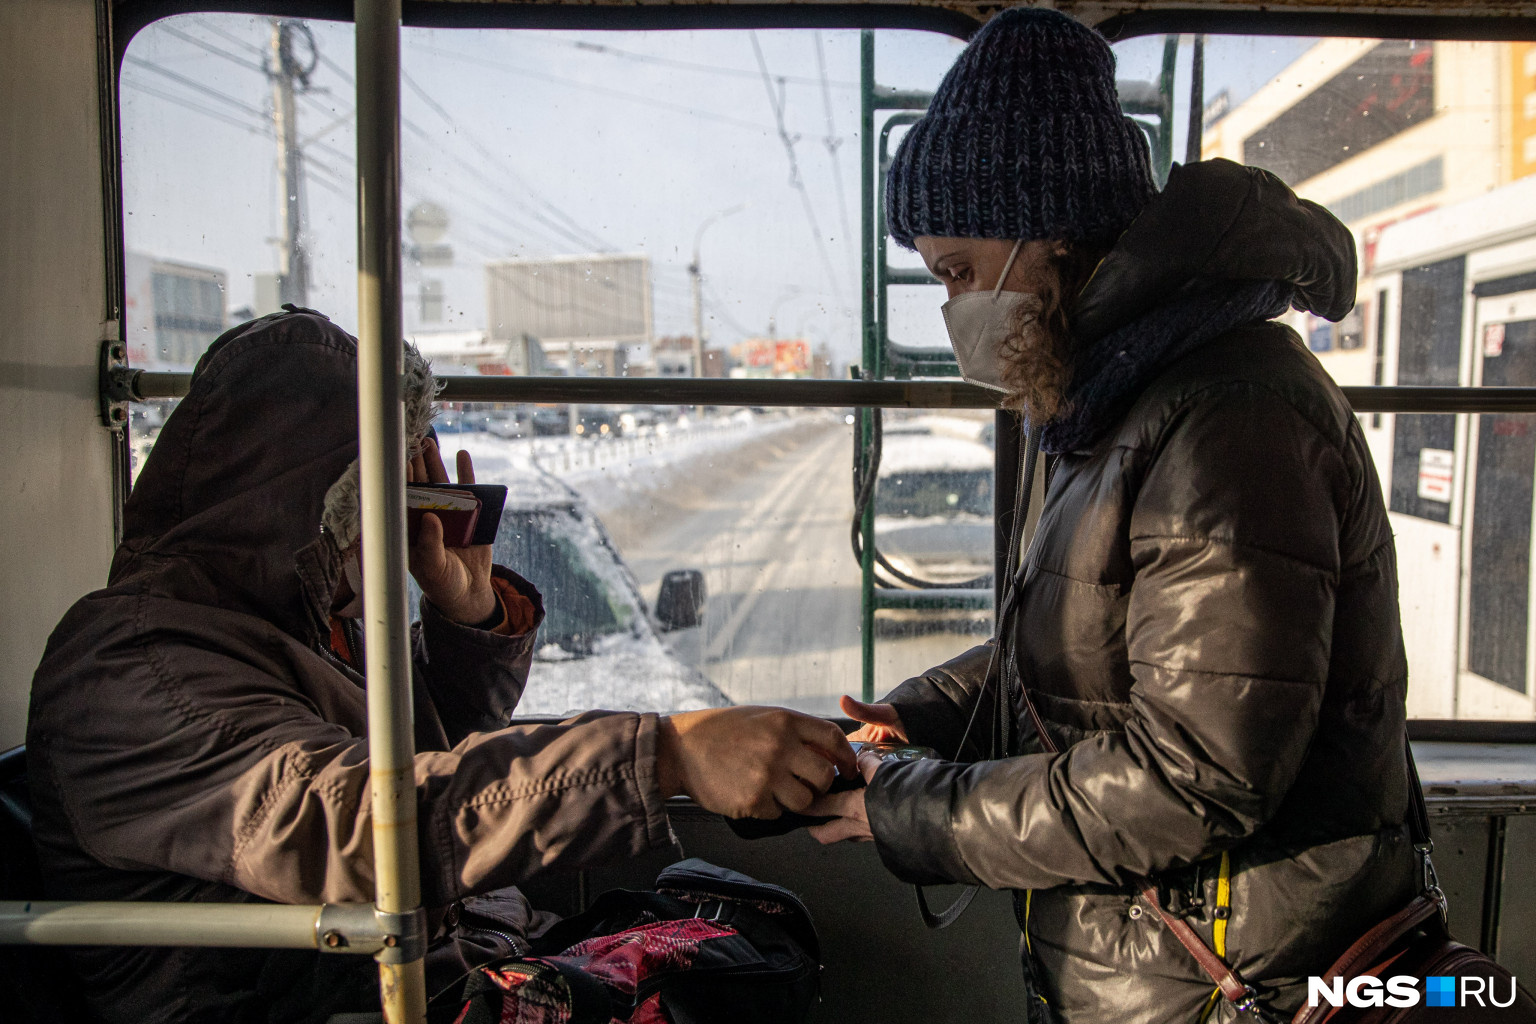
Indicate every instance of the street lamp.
{"type": "Point", "coordinates": [697, 279]}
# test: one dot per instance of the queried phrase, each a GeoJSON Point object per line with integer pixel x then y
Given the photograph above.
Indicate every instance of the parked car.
{"type": "Point", "coordinates": [598, 421]}
{"type": "Point", "coordinates": [933, 507]}
{"type": "Point", "coordinates": [551, 420]}
{"type": "Point", "coordinates": [599, 646]}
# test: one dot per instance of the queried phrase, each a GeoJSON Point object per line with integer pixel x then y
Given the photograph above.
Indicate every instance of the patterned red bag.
{"type": "Point", "coordinates": [710, 943]}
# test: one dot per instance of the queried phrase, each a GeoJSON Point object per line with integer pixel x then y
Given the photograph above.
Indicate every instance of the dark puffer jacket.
{"type": "Point", "coordinates": [1208, 626]}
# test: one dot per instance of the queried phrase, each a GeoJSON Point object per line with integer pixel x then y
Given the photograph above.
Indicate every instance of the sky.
{"type": "Point", "coordinates": [542, 143]}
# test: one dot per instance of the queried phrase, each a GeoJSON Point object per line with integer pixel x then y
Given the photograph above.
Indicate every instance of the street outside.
{"type": "Point", "coordinates": [765, 514]}
{"type": "Point", "coordinates": [762, 504]}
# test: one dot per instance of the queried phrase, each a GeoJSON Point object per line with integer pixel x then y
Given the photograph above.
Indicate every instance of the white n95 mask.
{"type": "Point", "coordinates": [978, 325]}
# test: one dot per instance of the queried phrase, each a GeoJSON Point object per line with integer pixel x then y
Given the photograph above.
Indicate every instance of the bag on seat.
{"type": "Point", "coordinates": [708, 945]}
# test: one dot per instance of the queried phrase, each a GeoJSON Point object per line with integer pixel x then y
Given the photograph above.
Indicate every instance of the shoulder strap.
{"type": "Point", "coordinates": [997, 668]}
{"type": "Point", "coordinates": [1232, 986]}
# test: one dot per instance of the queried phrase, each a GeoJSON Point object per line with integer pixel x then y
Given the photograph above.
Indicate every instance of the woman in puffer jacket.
{"type": "Point", "coordinates": [1206, 619]}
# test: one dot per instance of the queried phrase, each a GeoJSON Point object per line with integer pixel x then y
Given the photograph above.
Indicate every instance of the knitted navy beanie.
{"type": "Point", "coordinates": [1024, 138]}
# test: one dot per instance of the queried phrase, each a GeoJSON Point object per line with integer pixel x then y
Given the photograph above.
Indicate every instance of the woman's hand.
{"type": "Point", "coordinates": [881, 722]}
{"type": "Point", "coordinates": [852, 822]}
{"type": "Point", "coordinates": [456, 580]}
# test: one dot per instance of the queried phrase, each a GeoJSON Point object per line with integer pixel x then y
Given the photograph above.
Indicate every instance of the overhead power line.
{"type": "Point", "coordinates": [688, 65]}
{"type": "Point", "coordinates": [195, 86]}
{"type": "Point", "coordinates": [230, 37]}
{"type": "Point", "coordinates": [796, 182]}
{"type": "Point", "coordinates": [203, 44]}
{"type": "Point", "coordinates": [491, 205]}
{"type": "Point", "coordinates": [620, 94]}
{"type": "Point", "coordinates": [571, 227]}
{"type": "Point", "coordinates": [263, 129]}
{"type": "Point", "coordinates": [832, 141]}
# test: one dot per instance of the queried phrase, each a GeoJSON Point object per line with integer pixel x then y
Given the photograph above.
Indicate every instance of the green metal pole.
{"type": "Point", "coordinates": [864, 438]}
{"type": "Point", "coordinates": [1165, 82]}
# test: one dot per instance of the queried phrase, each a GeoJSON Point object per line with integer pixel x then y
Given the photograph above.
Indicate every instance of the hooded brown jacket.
{"type": "Point", "coordinates": [1208, 628]}
{"type": "Point", "coordinates": [192, 738]}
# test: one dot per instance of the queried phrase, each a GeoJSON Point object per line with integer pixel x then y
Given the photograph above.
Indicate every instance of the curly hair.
{"type": "Point", "coordinates": [1038, 352]}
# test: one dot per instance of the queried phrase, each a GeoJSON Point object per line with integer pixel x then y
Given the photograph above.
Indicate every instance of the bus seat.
{"type": "Point", "coordinates": [21, 877]}
{"type": "Point", "coordinates": [36, 983]}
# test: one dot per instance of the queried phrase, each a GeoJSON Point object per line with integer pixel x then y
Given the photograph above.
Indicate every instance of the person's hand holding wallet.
{"type": "Point", "coordinates": [457, 580]}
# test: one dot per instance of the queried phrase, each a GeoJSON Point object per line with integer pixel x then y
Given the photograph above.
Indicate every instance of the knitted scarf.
{"type": "Point", "coordinates": [1114, 370]}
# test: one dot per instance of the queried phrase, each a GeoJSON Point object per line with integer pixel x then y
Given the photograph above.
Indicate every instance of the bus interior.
{"type": "Point", "coordinates": [643, 246]}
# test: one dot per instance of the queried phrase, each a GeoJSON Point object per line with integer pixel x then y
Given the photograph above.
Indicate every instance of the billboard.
{"type": "Point", "coordinates": [757, 354]}
{"type": "Point", "coordinates": [570, 299]}
{"type": "Point", "coordinates": [791, 359]}
{"type": "Point", "coordinates": [770, 357]}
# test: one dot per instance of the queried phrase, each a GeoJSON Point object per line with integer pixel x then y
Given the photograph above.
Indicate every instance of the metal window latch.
{"type": "Point", "coordinates": [114, 381]}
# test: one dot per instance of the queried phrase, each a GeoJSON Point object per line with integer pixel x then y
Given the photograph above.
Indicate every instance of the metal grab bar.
{"type": "Point", "coordinates": [381, 457]}
{"type": "Point", "coordinates": [145, 385]}
{"type": "Point", "coordinates": [333, 927]}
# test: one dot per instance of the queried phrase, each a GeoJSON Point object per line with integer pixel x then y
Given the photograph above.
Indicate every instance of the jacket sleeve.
{"type": "Point", "coordinates": [936, 706]}
{"type": "Point", "coordinates": [221, 772]}
{"type": "Point", "coordinates": [474, 677]}
{"type": "Point", "coordinates": [1235, 545]}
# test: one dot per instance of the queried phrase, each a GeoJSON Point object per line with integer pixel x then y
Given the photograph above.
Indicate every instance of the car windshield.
{"type": "Point", "coordinates": [939, 492]}
{"type": "Point", "coordinates": [586, 594]}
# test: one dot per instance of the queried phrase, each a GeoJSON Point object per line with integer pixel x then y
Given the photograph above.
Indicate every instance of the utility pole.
{"type": "Point", "coordinates": [697, 277]}
{"type": "Point", "coordinates": [698, 316]}
{"type": "Point", "coordinates": [290, 75]}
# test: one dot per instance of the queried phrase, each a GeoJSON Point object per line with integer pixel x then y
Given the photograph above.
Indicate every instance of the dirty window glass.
{"type": "Point", "coordinates": [1425, 149]}
{"type": "Point", "coordinates": [632, 204]}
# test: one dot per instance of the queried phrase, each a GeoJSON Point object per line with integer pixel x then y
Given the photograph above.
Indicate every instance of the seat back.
{"type": "Point", "coordinates": [36, 982]}
{"type": "Point", "coordinates": [20, 878]}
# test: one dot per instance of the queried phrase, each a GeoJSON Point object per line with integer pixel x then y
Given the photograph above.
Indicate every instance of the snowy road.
{"type": "Point", "coordinates": [763, 507]}
{"type": "Point", "coordinates": [768, 523]}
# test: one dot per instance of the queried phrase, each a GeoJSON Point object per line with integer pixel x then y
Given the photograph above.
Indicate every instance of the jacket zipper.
{"type": "Point", "coordinates": [349, 633]}
{"type": "Point", "coordinates": [518, 949]}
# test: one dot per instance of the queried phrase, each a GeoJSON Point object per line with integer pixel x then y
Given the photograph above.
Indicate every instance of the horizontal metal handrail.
{"type": "Point", "coordinates": [910, 277]}
{"type": "Point", "coordinates": [332, 927]}
{"type": "Point", "coordinates": [933, 598]}
{"type": "Point", "coordinates": [1406, 398]}
{"type": "Point", "coordinates": [900, 99]}
{"type": "Point", "coordinates": [145, 385]}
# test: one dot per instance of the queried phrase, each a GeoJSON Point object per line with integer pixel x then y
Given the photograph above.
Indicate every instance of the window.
{"type": "Point", "coordinates": [615, 204]}
{"type": "Point", "coordinates": [1424, 149]}
{"type": "Point", "coordinates": [689, 203]}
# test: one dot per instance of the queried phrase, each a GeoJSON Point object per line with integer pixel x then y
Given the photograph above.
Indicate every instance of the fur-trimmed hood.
{"type": "Point", "coordinates": [227, 526]}
{"type": "Point", "coordinates": [342, 515]}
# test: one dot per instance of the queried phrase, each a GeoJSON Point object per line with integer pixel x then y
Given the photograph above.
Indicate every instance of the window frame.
{"type": "Point", "coordinates": [124, 384]}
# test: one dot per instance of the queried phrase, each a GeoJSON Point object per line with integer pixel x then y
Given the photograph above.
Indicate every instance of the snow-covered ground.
{"type": "Point", "coordinates": [610, 472]}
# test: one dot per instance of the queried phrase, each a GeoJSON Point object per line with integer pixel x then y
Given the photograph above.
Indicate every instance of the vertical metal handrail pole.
{"type": "Point", "coordinates": [864, 438]}
{"type": "Point", "coordinates": [381, 439]}
{"type": "Point", "coordinates": [1163, 158]}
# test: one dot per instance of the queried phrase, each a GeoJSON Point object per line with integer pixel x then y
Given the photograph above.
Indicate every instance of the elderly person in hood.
{"type": "Point", "coordinates": [197, 729]}
{"type": "Point", "coordinates": [1206, 620]}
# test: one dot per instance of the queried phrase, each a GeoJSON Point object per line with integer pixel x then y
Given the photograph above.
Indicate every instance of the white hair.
{"type": "Point", "coordinates": [343, 516]}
